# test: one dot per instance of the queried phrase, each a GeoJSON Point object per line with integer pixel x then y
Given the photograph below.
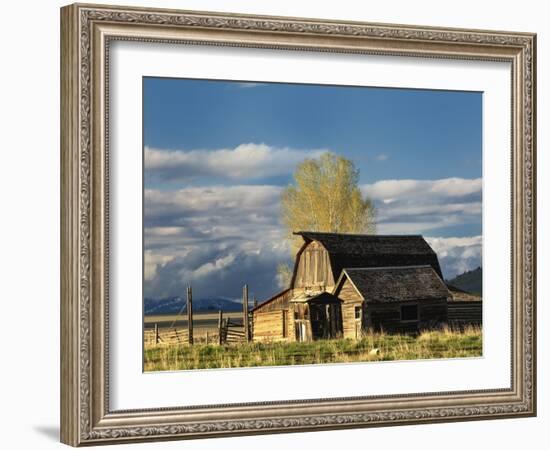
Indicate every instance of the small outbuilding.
{"type": "Point", "coordinates": [394, 299]}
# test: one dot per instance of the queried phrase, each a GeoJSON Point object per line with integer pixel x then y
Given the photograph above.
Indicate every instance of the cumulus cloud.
{"type": "Point", "coordinates": [246, 161]}
{"type": "Point", "coordinates": [446, 187]}
{"type": "Point", "coordinates": [457, 254]}
{"type": "Point", "coordinates": [219, 237]}
{"type": "Point", "coordinates": [220, 270]}
{"type": "Point", "coordinates": [418, 206]}
{"type": "Point", "coordinates": [216, 238]}
{"type": "Point", "coordinates": [211, 213]}
{"type": "Point", "coordinates": [152, 261]}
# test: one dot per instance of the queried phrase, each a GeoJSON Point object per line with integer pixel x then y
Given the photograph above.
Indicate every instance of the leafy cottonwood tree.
{"type": "Point", "coordinates": [325, 197]}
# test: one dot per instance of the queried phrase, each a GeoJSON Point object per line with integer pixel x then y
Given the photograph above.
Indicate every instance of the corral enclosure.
{"type": "Point", "coordinates": [173, 329]}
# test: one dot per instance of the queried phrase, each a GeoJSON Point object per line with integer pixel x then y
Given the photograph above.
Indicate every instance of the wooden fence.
{"type": "Point", "coordinates": [228, 330]}
{"type": "Point", "coordinates": [231, 332]}
{"type": "Point", "coordinates": [168, 336]}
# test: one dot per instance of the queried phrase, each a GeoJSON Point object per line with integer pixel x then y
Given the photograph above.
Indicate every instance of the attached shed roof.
{"type": "Point", "coordinates": [396, 284]}
{"type": "Point", "coordinates": [459, 295]}
{"type": "Point", "coordinates": [369, 250]}
{"type": "Point", "coordinates": [322, 297]}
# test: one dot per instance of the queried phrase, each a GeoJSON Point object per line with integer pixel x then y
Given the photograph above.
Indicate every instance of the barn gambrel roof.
{"type": "Point", "coordinates": [369, 250]}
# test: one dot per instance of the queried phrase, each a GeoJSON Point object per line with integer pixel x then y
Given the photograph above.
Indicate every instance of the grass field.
{"type": "Point", "coordinates": [373, 347]}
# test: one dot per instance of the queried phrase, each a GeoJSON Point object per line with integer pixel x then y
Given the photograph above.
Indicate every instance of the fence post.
{"type": "Point", "coordinates": [220, 327]}
{"type": "Point", "coordinates": [190, 315]}
{"type": "Point", "coordinates": [156, 333]}
{"type": "Point", "coordinates": [245, 313]}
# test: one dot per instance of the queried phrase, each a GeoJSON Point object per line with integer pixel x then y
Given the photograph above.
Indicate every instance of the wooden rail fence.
{"type": "Point", "coordinates": [233, 332]}
{"type": "Point", "coordinates": [169, 336]}
{"type": "Point", "coordinates": [228, 331]}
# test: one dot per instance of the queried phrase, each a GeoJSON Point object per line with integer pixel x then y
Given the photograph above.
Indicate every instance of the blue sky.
{"type": "Point", "coordinates": [412, 127]}
{"type": "Point", "coordinates": [218, 154]}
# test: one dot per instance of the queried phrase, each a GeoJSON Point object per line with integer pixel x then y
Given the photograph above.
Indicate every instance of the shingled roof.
{"type": "Point", "coordinates": [396, 284]}
{"type": "Point", "coordinates": [321, 297]}
{"type": "Point", "coordinates": [369, 250]}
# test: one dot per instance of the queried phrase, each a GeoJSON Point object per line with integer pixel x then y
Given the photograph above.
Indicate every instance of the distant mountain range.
{"type": "Point", "coordinates": [470, 281]}
{"type": "Point", "coordinates": [174, 305]}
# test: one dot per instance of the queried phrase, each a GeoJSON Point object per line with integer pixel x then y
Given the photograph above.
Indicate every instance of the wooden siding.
{"type": "Point", "coordinates": [433, 313]}
{"type": "Point", "coordinates": [348, 293]}
{"type": "Point", "coordinates": [301, 322]}
{"type": "Point", "coordinates": [276, 303]}
{"type": "Point", "coordinates": [313, 269]}
{"type": "Point", "coordinates": [270, 326]}
{"type": "Point", "coordinates": [387, 316]}
{"type": "Point", "coordinates": [352, 327]}
{"type": "Point", "coordinates": [465, 313]}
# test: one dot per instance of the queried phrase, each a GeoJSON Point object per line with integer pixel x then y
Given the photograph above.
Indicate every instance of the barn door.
{"type": "Point", "coordinates": [301, 331]}
{"type": "Point", "coordinates": [334, 320]}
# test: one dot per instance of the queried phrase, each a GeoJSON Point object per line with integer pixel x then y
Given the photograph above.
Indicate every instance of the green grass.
{"type": "Point", "coordinates": [373, 347]}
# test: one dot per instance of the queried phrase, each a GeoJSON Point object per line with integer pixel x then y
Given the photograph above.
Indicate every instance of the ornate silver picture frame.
{"type": "Point", "coordinates": [87, 33]}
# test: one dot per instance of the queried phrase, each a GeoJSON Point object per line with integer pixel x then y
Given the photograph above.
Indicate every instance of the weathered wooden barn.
{"type": "Point", "coordinates": [317, 305]}
{"type": "Point", "coordinates": [323, 256]}
{"type": "Point", "coordinates": [394, 299]}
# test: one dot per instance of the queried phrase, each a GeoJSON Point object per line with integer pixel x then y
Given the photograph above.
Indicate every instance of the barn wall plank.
{"type": "Point", "coordinates": [313, 268]}
{"type": "Point", "coordinates": [465, 313]}
{"type": "Point", "coordinates": [268, 326]}
{"type": "Point", "coordinates": [387, 317]}
{"type": "Point", "coordinates": [276, 304]}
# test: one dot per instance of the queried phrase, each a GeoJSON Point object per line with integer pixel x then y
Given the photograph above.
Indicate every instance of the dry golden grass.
{"type": "Point", "coordinates": [444, 343]}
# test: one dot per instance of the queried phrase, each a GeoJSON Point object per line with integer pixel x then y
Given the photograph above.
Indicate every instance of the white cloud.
{"type": "Point", "coordinates": [152, 261]}
{"type": "Point", "coordinates": [457, 254]}
{"type": "Point", "coordinates": [213, 237]}
{"type": "Point", "coordinates": [217, 269]}
{"type": "Point", "coordinates": [218, 237]}
{"type": "Point", "coordinates": [446, 187]}
{"type": "Point", "coordinates": [381, 157]}
{"type": "Point", "coordinates": [243, 197]}
{"type": "Point", "coordinates": [418, 206]}
{"type": "Point", "coordinates": [246, 161]}
{"type": "Point", "coordinates": [218, 264]}
{"type": "Point", "coordinates": [200, 214]}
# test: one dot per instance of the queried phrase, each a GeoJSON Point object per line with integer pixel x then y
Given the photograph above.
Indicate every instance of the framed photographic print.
{"type": "Point", "coordinates": [277, 224]}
